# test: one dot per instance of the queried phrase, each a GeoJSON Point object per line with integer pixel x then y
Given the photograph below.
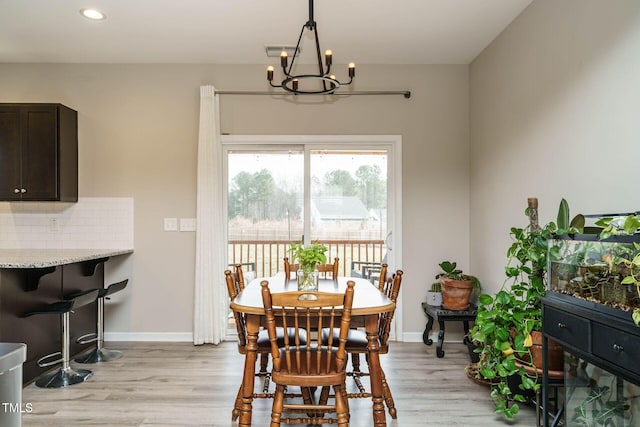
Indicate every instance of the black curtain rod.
{"type": "Point", "coordinates": [405, 93]}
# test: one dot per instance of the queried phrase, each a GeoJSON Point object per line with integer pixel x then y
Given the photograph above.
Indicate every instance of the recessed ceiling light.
{"type": "Point", "coordinates": [93, 14]}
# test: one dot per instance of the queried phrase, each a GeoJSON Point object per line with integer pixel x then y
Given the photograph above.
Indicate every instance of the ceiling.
{"type": "Point", "coordinates": [237, 31]}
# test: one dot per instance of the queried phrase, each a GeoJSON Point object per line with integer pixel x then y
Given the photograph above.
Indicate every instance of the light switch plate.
{"type": "Point", "coordinates": [187, 224]}
{"type": "Point", "coordinates": [171, 224]}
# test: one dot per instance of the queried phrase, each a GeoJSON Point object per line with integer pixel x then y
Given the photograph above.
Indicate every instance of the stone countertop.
{"type": "Point", "coordinates": [39, 258]}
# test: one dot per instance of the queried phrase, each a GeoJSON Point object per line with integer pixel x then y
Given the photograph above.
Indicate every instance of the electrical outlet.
{"type": "Point", "coordinates": [54, 225]}
{"type": "Point", "coordinates": [171, 224]}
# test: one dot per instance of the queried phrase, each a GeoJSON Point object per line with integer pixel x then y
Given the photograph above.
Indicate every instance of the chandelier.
{"type": "Point", "coordinates": [321, 83]}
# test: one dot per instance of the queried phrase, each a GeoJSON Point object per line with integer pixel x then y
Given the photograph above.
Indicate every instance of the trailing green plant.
{"type": "Point", "coordinates": [626, 225]}
{"type": "Point", "coordinates": [619, 226]}
{"type": "Point", "coordinates": [308, 257]}
{"type": "Point", "coordinates": [450, 271]}
{"type": "Point", "coordinates": [503, 326]}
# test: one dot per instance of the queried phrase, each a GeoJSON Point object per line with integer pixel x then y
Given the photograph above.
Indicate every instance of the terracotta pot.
{"type": "Point", "coordinates": [555, 353]}
{"type": "Point", "coordinates": [456, 294]}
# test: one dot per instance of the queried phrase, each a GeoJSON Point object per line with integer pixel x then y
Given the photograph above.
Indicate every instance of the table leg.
{"type": "Point", "coordinates": [252, 324]}
{"type": "Point", "coordinates": [469, 342]}
{"type": "Point", "coordinates": [465, 325]}
{"type": "Point", "coordinates": [375, 375]}
{"type": "Point", "coordinates": [439, 351]}
{"type": "Point", "coordinates": [427, 329]}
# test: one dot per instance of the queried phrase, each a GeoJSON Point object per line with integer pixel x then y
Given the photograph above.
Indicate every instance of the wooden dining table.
{"type": "Point", "coordinates": [368, 304]}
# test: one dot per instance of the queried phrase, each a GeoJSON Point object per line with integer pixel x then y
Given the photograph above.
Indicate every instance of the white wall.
{"type": "Point", "coordinates": [554, 104]}
{"type": "Point", "coordinates": [138, 135]}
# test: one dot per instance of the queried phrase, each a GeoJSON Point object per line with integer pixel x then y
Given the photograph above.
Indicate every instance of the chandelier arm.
{"type": "Point", "coordinates": [319, 56]}
{"type": "Point", "coordinates": [347, 83]}
{"type": "Point", "coordinates": [295, 53]}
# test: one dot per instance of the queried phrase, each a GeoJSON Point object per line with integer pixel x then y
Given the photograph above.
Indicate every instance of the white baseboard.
{"type": "Point", "coordinates": [412, 337]}
{"type": "Point", "coordinates": [149, 336]}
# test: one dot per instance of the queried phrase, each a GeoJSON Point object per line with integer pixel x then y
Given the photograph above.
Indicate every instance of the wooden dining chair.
{"type": "Point", "coordinates": [313, 364]}
{"type": "Point", "coordinates": [382, 279]}
{"type": "Point", "coordinates": [235, 284]}
{"type": "Point", "coordinates": [382, 284]}
{"type": "Point", "coordinates": [239, 277]}
{"type": "Point", "coordinates": [290, 268]}
{"type": "Point", "coordinates": [329, 271]}
{"type": "Point", "coordinates": [357, 344]}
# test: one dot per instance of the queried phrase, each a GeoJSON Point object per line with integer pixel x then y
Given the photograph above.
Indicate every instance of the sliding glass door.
{"type": "Point", "coordinates": [334, 190]}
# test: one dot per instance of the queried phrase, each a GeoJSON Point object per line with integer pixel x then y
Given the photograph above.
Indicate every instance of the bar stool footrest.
{"type": "Point", "coordinates": [44, 361]}
{"type": "Point", "coordinates": [87, 338]}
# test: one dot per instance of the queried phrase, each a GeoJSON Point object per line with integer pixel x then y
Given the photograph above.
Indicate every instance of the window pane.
{"type": "Point", "coordinates": [348, 195]}
{"type": "Point", "coordinates": [349, 208]}
{"type": "Point", "coordinates": [264, 206]}
{"type": "Point", "coordinates": [265, 195]}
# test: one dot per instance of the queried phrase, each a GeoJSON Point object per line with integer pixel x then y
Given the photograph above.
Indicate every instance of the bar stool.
{"type": "Point", "coordinates": [65, 376]}
{"type": "Point", "coordinates": [99, 353]}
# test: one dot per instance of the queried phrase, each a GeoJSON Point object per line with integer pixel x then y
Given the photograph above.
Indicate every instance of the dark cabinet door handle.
{"type": "Point", "coordinates": [561, 325]}
{"type": "Point", "coordinates": [618, 348]}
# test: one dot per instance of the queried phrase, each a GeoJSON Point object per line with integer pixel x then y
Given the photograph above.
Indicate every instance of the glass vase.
{"type": "Point", "coordinates": [308, 280]}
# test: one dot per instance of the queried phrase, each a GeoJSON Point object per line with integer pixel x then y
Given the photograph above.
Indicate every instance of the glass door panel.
{"type": "Point", "coordinates": [348, 207]}
{"type": "Point", "coordinates": [265, 200]}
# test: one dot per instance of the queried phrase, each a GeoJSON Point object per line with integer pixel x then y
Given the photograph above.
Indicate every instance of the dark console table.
{"type": "Point", "coordinates": [442, 316]}
{"type": "Point", "coordinates": [601, 362]}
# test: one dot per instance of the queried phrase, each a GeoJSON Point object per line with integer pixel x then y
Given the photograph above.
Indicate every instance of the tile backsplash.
{"type": "Point", "coordinates": [91, 223]}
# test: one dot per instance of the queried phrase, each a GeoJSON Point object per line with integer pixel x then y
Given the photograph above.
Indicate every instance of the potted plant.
{"type": "Point", "coordinates": [507, 323]}
{"type": "Point", "coordinates": [630, 264]}
{"type": "Point", "coordinates": [308, 258]}
{"type": "Point", "coordinates": [434, 296]}
{"type": "Point", "coordinates": [456, 286]}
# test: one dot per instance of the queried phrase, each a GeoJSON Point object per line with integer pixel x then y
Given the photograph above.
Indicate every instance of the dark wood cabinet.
{"type": "Point", "coordinates": [601, 361]}
{"type": "Point", "coordinates": [588, 309]}
{"type": "Point", "coordinates": [38, 153]}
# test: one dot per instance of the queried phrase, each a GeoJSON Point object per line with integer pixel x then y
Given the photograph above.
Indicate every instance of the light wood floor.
{"type": "Point", "coordinates": [178, 384]}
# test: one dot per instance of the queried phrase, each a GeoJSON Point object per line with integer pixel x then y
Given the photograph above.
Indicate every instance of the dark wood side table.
{"type": "Point", "coordinates": [442, 315]}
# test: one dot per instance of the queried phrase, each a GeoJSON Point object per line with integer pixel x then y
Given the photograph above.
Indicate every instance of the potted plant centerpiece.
{"type": "Point", "coordinates": [308, 257]}
{"type": "Point", "coordinates": [456, 286]}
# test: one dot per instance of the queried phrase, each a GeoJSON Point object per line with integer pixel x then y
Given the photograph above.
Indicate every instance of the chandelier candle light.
{"type": "Point", "coordinates": [295, 84]}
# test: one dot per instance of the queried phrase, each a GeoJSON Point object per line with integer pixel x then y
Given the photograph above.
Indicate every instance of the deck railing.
{"type": "Point", "coordinates": [266, 255]}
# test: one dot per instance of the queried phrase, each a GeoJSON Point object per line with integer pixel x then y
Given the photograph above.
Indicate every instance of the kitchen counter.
{"type": "Point", "coordinates": [33, 278]}
{"type": "Point", "coordinates": [41, 258]}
